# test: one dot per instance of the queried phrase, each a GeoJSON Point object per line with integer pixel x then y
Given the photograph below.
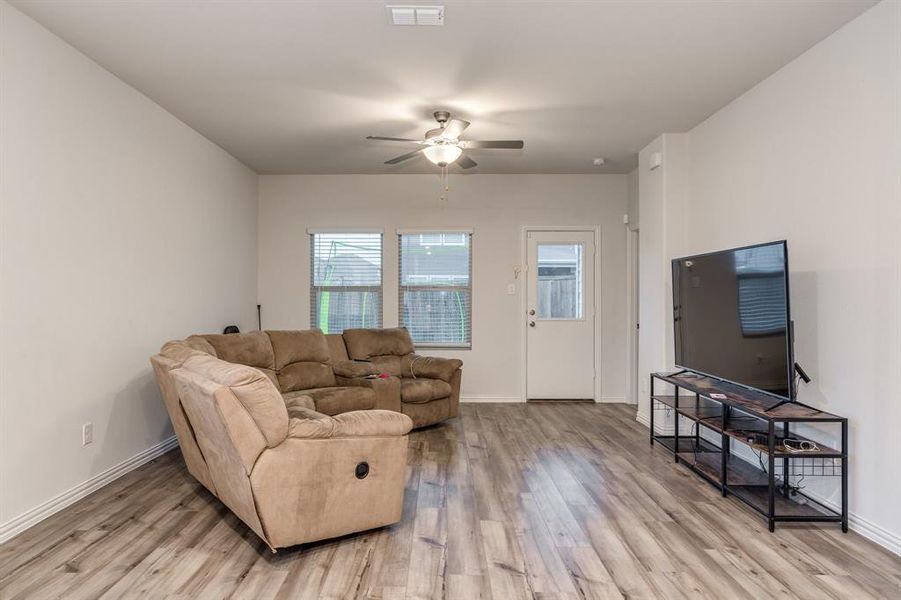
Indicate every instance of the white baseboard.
{"type": "Point", "coordinates": [37, 514]}
{"type": "Point", "coordinates": [864, 527]}
{"type": "Point", "coordinates": [618, 399]}
{"type": "Point", "coordinates": [867, 529]}
{"type": "Point", "coordinates": [643, 419]}
{"type": "Point", "coordinates": [482, 399]}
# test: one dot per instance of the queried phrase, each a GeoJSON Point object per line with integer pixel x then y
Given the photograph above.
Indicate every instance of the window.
{"type": "Point", "coordinates": [559, 281]}
{"type": "Point", "coordinates": [435, 302]}
{"type": "Point", "coordinates": [346, 281]}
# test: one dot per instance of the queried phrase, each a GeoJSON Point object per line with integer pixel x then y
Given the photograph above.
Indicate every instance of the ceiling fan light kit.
{"type": "Point", "coordinates": [442, 145]}
{"type": "Point", "coordinates": [442, 154]}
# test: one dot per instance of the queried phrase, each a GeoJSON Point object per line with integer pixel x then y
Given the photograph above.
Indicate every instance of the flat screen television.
{"type": "Point", "coordinates": [731, 317]}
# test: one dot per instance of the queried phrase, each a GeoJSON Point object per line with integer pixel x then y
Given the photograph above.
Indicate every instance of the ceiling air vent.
{"type": "Point", "coordinates": [416, 15]}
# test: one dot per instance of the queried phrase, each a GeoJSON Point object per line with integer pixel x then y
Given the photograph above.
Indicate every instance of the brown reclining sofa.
{"type": "Point", "coordinates": [294, 436]}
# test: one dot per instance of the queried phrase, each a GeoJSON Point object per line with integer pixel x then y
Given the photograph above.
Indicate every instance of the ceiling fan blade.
{"type": "Point", "coordinates": [511, 144]}
{"type": "Point", "coordinates": [391, 139]}
{"type": "Point", "coordinates": [403, 157]}
{"type": "Point", "coordinates": [465, 162]}
{"type": "Point", "coordinates": [454, 129]}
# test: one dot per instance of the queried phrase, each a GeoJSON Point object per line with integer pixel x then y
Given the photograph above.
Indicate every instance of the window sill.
{"type": "Point", "coordinates": [425, 347]}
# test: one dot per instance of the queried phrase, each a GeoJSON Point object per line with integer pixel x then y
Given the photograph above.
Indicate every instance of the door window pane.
{"type": "Point", "coordinates": [559, 281]}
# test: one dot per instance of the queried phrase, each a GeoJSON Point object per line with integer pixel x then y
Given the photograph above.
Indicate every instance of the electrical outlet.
{"type": "Point", "coordinates": [87, 434]}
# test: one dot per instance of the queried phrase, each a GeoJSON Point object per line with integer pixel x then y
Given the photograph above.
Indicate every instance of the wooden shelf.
{"type": "Point", "coordinates": [756, 403]}
{"type": "Point", "coordinates": [686, 444]}
{"type": "Point", "coordinates": [779, 450]}
{"type": "Point", "coordinates": [703, 411]}
{"type": "Point", "coordinates": [739, 413]}
{"type": "Point", "coordinates": [709, 463]}
{"type": "Point", "coordinates": [758, 497]}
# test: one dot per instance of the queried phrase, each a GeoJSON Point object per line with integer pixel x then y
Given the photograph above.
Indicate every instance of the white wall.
{"type": "Point", "coordinates": [120, 228]}
{"type": "Point", "coordinates": [813, 155]}
{"type": "Point", "coordinates": [496, 206]}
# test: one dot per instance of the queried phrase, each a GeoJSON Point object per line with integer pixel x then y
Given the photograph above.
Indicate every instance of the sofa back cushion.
{"type": "Point", "coordinates": [255, 392]}
{"type": "Point", "coordinates": [302, 360]}
{"type": "Point", "coordinates": [388, 364]}
{"type": "Point", "coordinates": [252, 349]}
{"type": "Point", "coordinates": [198, 342]}
{"type": "Point", "coordinates": [363, 344]}
{"type": "Point", "coordinates": [336, 348]}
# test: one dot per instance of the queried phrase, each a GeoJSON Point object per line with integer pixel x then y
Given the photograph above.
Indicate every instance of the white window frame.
{"type": "Point", "coordinates": [425, 287]}
{"type": "Point", "coordinates": [315, 289]}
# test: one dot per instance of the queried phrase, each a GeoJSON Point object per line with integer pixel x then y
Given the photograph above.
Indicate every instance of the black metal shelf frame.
{"type": "Point", "coordinates": [763, 490]}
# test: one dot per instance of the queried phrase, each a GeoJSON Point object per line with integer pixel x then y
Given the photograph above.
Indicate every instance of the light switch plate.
{"type": "Point", "coordinates": [511, 289]}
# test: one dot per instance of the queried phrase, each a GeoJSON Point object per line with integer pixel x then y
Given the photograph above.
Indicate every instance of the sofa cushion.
{"type": "Point", "coordinates": [298, 400]}
{"type": "Point", "coordinates": [354, 368]}
{"type": "Point", "coordinates": [198, 342]}
{"type": "Point", "coordinates": [416, 365]}
{"type": "Point", "coordinates": [272, 375]}
{"type": "Point", "coordinates": [305, 375]}
{"type": "Point", "coordinates": [337, 400]}
{"type": "Point", "coordinates": [299, 346]}
{"type": "Point", "coordinates": [177, 351]}
{"type": "Point", "coordinates": [387, 364]}
{"type": "Point", "coordinates": [307, 423]}
{"type": "Point", "coordinates": [419, 390]}
{"type": "Point", "coordinates": [252, 349]}
{"type": "Point", "coordinates": [429, 413]}
{"type": "Point", "coordinates": [363, 344]}
{"type": "Point", "coordinates": [253, 390]}
{"type": "Point", "coordinates": [336, 347]}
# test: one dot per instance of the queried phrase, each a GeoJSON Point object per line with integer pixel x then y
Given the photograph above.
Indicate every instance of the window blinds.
{"type": "Point", "coordinates": [435, 288]}
{"type": "Point", "coordinates": [346, 280]}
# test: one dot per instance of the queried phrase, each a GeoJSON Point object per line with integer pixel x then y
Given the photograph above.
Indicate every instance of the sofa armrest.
{"type": "Point", "coordinates": [309, 424]}
{"type": "Point", "coordinates": [368, 423]}
{"type": "Point", "coordinates": [433, 367]}
{"type": "Point", "coordinates": [354, 368]}
{"type": "Point", "coordinates": [387, 390]}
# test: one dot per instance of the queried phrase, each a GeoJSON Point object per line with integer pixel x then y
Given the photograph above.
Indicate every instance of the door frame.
{"type": "Point", "coordinates": [524, 303]}
{"type": "Point", "coordinates": [632, 306]}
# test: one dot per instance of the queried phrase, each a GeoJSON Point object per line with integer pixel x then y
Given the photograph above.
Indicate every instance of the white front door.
{"type": "Point", "coordinates": [560, 315]}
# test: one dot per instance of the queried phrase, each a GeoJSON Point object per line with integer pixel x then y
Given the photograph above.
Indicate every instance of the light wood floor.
{"type": "Point", "coordinates": [508, 501]}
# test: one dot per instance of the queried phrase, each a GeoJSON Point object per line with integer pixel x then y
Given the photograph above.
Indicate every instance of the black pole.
{"type": "Point", "coordinates": [786, 467]}
{"type": "Point", "coordinates": [844, 476]}
{"type": "Point", "coordinates": [725, 449]}
{"type": "Point", "coordinates": [771, 448]}
{"type": "Point", "coordinates": [676, 429]}
{"type": "Point", "coordinates": [651, 404]}
{"type": "Point", "coordinates": [259, 318]}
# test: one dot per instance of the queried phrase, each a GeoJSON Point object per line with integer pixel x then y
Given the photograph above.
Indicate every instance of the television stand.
{"type": "Point", "coordinates": [765, 430]}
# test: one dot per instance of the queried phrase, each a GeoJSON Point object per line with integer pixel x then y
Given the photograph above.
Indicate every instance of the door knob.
{"type": "Point", "coordinates": [531, 323]}
{"type": "Point", "coordinates": [532, 312]}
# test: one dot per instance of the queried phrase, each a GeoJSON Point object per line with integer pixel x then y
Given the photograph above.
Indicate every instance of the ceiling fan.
{"type": "Point", "coordinates": [443, 145]}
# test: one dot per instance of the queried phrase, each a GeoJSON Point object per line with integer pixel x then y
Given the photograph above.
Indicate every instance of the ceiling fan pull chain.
{"type": "Point", "coordinates": [443, 178]}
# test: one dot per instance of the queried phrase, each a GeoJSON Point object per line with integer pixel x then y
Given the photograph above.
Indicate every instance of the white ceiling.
{"type": "Point", "coordinates": [295, 86]}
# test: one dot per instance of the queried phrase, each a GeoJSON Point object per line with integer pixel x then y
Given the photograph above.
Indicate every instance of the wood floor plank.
{"type": "Point", "coordinates": [544, 500]}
